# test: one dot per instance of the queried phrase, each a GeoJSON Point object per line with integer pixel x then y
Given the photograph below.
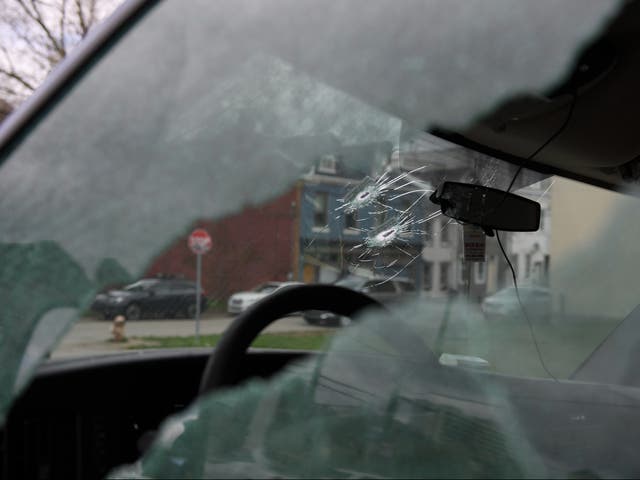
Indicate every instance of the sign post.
{"type": "Point", "coordinates": [475, 247]}
{"type": "Point", "coordinates": [198, 293]}
{"type": "Point", "coordinates": [199, 243]}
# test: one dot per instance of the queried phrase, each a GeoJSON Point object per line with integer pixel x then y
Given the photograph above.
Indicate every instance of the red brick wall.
{"type": "Point", "coordinates": [251, 247]}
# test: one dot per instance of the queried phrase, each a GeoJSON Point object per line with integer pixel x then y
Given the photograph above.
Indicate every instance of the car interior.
{"type": "Point", "coordinates": [83, 417]}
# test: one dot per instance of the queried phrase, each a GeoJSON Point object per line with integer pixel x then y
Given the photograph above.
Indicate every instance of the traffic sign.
{"type": "Point", "coordinates": [199, 241]}
{"type": "Point", "coordinates": [475, 243]}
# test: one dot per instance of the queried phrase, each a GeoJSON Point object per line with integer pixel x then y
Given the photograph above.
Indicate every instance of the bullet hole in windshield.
{"type": "Point", "coordinates": [384, 220]}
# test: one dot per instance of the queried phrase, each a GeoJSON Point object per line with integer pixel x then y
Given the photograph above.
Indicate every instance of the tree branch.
{"type": "Point", "coordinates": [92, 12]}
{"type": "Point", "coordinates": [41, 32]}
{"type": "Point", "coordinates": [34, 48]}
{"type": "Point", "coordinates": [8, 57]}
{"type": "Point", "coordinates": [83, 24]}
{"type": "Point", "coordinates": [18, 78]}
{"type": "Point", "coordinates": [10, 91]}
{"type": "Point", "coordinates": [63, 18]}
{"type": "Point", "coordinates": [37, 17]}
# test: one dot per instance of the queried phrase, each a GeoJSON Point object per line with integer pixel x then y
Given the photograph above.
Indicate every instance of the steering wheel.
{"type": "Point", "coordinates": [222, 366]}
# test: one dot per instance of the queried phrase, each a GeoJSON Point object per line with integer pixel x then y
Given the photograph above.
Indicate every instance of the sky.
{"type": "Point", "coordinates": [20, 36]}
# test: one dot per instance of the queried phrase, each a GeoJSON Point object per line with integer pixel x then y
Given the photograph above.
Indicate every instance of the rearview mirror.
{"type": "Point", "coordinates": [489, 208]}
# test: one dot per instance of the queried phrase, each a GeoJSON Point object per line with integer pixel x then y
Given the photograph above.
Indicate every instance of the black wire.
{"type": "Point", "coordinates": [551, 138]}
{"type": "Point", "coordinates": [548, 141]}
{"type": "Point", "coordinates": [524, 311]}
{"type": "Point", "coordinates": [567, 119]}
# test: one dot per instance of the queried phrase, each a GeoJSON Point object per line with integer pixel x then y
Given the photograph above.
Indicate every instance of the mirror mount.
{"type": "Point", "coordinates": [488, 232]}
{"type": "Point", "coordinates": [489, 208]}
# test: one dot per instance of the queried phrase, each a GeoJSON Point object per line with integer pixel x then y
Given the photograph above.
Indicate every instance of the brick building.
{"type": "Point", "coordinates": [253, 246]}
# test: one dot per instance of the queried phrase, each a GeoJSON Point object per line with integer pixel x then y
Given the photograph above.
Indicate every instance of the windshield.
{"type": "Point", "coordinates": [267, 288]}
{"type": "Point", "coordinates": [298, 170]}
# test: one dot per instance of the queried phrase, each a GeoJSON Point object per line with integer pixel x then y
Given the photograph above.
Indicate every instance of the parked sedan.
{"type": "Point", "coordinates": [150, 297]}
{"type": "Point", "coordinates": [383, 290]}
{"type": "Point", "coordinates": [536, 301]}
{"type": "Point", "coordinates": [239, 302]}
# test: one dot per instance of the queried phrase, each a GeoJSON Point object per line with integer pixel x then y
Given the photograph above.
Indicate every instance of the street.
{"type": "Point", "coordinates": [90, 336]}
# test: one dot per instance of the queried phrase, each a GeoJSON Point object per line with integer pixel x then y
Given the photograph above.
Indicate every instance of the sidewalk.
{"type": "Point", "coordinates": [91, 337]}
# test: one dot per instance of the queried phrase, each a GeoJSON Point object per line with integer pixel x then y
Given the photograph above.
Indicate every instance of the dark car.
{"type": "Point", "coordinates": [384, 290]}
{"type": "Point", "coordinates": [167, 298]}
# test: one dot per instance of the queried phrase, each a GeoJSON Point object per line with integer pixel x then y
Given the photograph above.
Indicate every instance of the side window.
{"type": "Point", "coordinates": [178, 288]}
{"type": "Point", "coordinates": [149, 287]}
{"type": "Point", "coordinates": [161, 289]}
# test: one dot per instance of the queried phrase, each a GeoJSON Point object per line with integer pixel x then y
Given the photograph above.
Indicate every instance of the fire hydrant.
{"type": "Point", "coordinates": [117, 329]}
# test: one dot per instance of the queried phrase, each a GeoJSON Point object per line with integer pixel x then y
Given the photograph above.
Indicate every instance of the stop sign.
{"type": "Point", "coordinates": [199, 241]}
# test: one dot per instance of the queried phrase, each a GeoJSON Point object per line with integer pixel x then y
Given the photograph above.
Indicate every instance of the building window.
{"type": "Point", "coordinates": [351, 221]}
{"type": "Point", "coordinates": [527, 266]}
{"type": "Point", "coordinates": [546, 265]}
{"type": "Point", "coordinates": [320, 214]}
{"type": "Point", "coordinates": [428, 232]}
{"type": "Point", "coordinates": [428, 276]}
{"type": "Point", "coordinates": [327, 164]}
{"type": "Point", "coordinates": [444, 233]}
{"type": "Point", "coordinates": [537, 272]}
{"type": "Point", "coordinates": [445, 267]}
{"type": "Point", "coordinates": [480, 273]}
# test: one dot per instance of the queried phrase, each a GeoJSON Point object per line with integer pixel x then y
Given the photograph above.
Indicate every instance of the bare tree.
{"type": "Point", "coordinates": [35, 35]}
{"type": "Point", "coordinates": [5, 109]}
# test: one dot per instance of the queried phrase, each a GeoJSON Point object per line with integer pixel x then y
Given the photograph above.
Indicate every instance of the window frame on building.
{"type": "Point", "coordinates": [320, 215]}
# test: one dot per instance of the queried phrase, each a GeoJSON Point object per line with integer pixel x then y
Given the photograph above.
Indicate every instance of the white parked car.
{"type": "Point", "coordinates": [536, 300]}
{"type": "Point", "coordinates": [239, 302]}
